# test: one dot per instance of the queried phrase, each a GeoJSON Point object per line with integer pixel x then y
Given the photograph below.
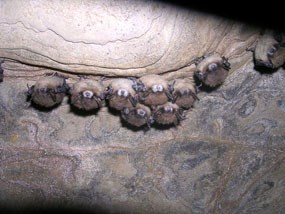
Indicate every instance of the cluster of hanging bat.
{"type": "Point", "coordinates": [150, 99]}
{"type": "Point", "coordinates": [141, 101]}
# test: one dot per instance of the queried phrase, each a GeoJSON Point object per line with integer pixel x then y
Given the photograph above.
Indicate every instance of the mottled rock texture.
{"type": "Point", "coordinates": [226, 157]}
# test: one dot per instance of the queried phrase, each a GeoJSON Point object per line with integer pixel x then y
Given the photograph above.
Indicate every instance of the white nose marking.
{"type": "Point", "coordinates": [88, 94]}
{"type": "Point", "coordinates": [123, 92]}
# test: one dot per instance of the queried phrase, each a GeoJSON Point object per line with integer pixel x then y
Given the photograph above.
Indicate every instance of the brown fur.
{"type": "Point", "coordinates": [149, 97]}
{"type": "Point", "coordinates": [214, 77]}
{"type": "Point", "coordinates": [164, 117]}
{"type": "Point", "coordinates": [132, 117]}
{"type": "Point", "coordinates": [184, 93]}
{"type": "Point", "coordinates": [48, 91]}
{"type": "Point", "coordinates": [81, 102]}
{"type": "Point", "coordinates": [268, 51]}
{"type": "Point", "coordinates": [119, 102]}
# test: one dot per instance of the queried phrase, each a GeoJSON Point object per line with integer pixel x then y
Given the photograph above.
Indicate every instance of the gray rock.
{"type": "Point", "coordinates": [226, 157]}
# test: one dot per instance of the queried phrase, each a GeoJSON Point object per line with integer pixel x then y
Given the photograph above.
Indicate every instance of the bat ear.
{"type": "Point", "coordinates": [137, 85]}
{"type": "Point", "coordinates": [67, 87]}
{"type": "Point", "coordinates": [226, 64]}
{"type": "Point", "coordinates": [107, 93]}
{"type": "Point", "coordinates": [134, 101]}
{"type": "Point", "coordinates": [30, 90]}
{"type": "Point", "coordinates": [171, 86]}
{"type": "Point", "coordinates": [169, 96]}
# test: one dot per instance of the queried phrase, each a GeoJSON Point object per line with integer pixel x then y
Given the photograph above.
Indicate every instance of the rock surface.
{"type": "Point", "coordinates": [115, 37]}
{"type": "Point", "coordinates": [226, 157]}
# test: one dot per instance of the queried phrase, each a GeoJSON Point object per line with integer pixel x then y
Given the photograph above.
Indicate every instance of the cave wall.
{"type": "Point", "coordinates": [226, 157]}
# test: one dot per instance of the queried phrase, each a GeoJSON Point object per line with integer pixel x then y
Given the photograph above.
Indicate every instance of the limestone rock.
{"type": "Point", "coordinates": [226, 157]}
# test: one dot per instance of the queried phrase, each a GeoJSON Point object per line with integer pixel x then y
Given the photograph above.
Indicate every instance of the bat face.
{"type": "Point", "coordinates": [183, 93]}
{"type": "Point", "coordinates": [168, 113]}
{"type": "Point", "coordinates": [48, 90]}
{"type": "Point", "coordinates": [137, 116]}
{"type": "Point", "coordinates": [270, 50]}
{"type": "Point", "coordinates": [213, 70]}
{"type": "Point", "coordinates": [87, 94]}
{"type": "Point", "coordinates": [121, 94]}
{"type": "Point", "coordinates": [156, 90]}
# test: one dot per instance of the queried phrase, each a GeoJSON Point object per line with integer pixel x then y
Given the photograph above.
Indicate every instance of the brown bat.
{"type": "Point", "coordinates": [270, 50]}
{"type": "Point", "coordinates": [168, 113]}
{"type": "Point", "coordinates": [121, 94]}
{"type": "Point", "coordinates": [183, 93]}
{"type": "Point", "coordinates": [155, 90]}
{"type": "Point", "coordinates": [137, 116]}
{"type": "Point", "coordinates": [48, 91]}
{"type": "Point", "coordinates": [213, 69]}
{"type": "Point", "coordinates": [87, 94]}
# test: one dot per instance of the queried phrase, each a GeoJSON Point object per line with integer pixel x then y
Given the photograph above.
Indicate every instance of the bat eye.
{"type": "Point", "coordinates": [141, 112]}
{"type": "Point", "coordinates": [157, 88]}
{"type": "Point", "coordinates": [271, 51]}
{"type": "Point", "coordinates": [123, 93]}
{"type": "Point", "coordinates": [213, 67]}
{"type": "Point", "coordinates": [87, 94]}
{"type": "Point", "coordinates": [168, 109]}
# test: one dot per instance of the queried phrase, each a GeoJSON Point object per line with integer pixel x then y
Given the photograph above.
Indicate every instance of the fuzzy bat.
{"type": "Point", "coordinates": [155, 91]}
{"type": "Point", "coordinates": [213, 69]}
{"type": "Point", "coordinates": [168, 113]}
{"type": "Point", "coordinates": [121, 94]}
{"type": "Point", "coordinates": [138, 116]}
{"type": "Point", "coordinates": [183, 92]}
{"type": "Point", "coordinates": [48, 91]}
{"type": "Point", "coordinates": [270, 50]}
{"type": "Point", "coordinates": [87, 94]}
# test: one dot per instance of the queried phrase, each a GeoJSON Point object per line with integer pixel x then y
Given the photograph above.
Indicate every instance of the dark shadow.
{"type": "Point", "coordinates": [53, 210]}
{"type": "Point", "coordinates": [163, 127]}
{"type": "Point", "coordinates": [1, 72]}
{"type": "Point", "coordinates": [264, 69]}
{"type": "Point", "coordinates": [82, 112]}
{"type": "Point", "coordinates": [267, 14]}
{"type": "Point", "coordinates": [41, 108]}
